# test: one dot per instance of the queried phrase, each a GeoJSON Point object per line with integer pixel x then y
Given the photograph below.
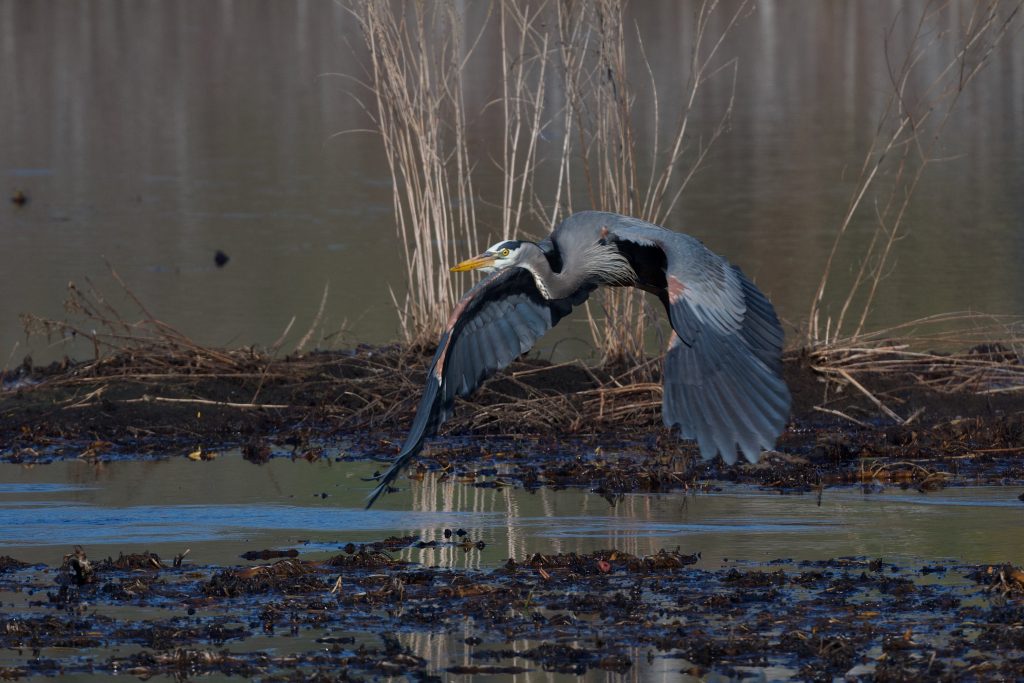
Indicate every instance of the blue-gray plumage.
{"type": "Point", "coordinates": [723, 383]}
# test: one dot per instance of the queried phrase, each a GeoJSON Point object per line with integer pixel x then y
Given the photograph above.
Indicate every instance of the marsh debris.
{"type": "Point", "coordinates": [132, 561]}
{"type": "Point", "coordinates": [572, 423]}
{"type": "Point", "coordinates": [9, 564]}
{"type": "Point", "coordinates": [293, 576]}
{"type": "Point", "coordinates": [265, 555]}
{"type": "Point", "coordinates": [76, 569]}
{"type": "Point", "coordinates": [608, 610]}
{"type": "Point", "coordinates": [1004, 579]}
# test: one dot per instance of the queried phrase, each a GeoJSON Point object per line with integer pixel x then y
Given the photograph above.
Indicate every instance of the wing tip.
{"type": "Point", "coordinates": [375, 494]}
{"type": "Point", "coordinates": [400, 463]}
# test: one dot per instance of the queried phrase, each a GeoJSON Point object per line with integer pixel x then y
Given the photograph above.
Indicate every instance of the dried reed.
{"type": "Point", "coordinates": [905, 144]}
{"type": "Point", "coordinates": [145, 346]}
{"type": "Point", "coordinates": [600, 114]}
{"type": "Point", "coordinates": [137, 347]}
{"type": "Point", "coordinates": [417, 60]}
{"type": "Point", "coordinates": [564, 66]}
{"type": "Point", "coordinates": [948, 353]}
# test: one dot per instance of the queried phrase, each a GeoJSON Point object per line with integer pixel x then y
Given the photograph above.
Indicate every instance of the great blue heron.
{"type": "Point", "coordinates": [723, 381]}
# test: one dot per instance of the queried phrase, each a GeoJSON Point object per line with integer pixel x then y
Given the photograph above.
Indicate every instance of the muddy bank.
{"type": "Point", "coordinates": [365, 613]}
{"type": "Point", "coordinates": [346, 609]}
{"type": "Point", "coordinates": [542, 424]}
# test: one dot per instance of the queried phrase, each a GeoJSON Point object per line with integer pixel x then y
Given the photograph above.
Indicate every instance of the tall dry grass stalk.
{"type": "Point", "coordinates": [565, 71]}
{"type": "Point", "coordinates": [417, 60]}
{"type": "Point", "coordinates": [906, 143]}
{"type": "Point", "coordinates": [620, 172]}
{"type": "Point", "coordinates": [526, 68]}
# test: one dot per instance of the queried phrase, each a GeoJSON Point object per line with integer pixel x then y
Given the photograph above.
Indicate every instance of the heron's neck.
{"type": "Point", "coordinates": [597, 263]}
{"type": "Point", "coordinates": [552, 285]}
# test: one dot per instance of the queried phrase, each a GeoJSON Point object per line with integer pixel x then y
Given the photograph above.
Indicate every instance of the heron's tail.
{"type": "Point", "coordinates": [432, 411]}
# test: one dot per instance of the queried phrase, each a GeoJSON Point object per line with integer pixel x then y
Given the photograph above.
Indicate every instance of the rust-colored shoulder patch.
{"type": "Point", "coordinates": [604, 232]}
{"type": "Point", "coordinates": [452, 319]}
{"type": "Point", "coordinates": [439, 365]}
{"type": "Point", "coordinates": [459, 308]}
{"type": "Point", "coordinates": [676, 289]}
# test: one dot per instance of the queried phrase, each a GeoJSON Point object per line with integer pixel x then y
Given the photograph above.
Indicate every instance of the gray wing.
{"type": "Point", "coordinates": [495, 322]}
{"type": "Point", "coordinates": [723, 369]}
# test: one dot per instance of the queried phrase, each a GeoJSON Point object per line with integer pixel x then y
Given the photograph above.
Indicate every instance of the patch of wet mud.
{"type": "Point", "coordinates": [369, 615]}
{"type": "Point", "coordinates": [379, 608]}
{"type": "Point", "coordinates": [356, 404]}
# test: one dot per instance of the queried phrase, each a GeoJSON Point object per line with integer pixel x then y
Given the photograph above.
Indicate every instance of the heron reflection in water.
{"type": "Point", "coordinates": [723, 383]}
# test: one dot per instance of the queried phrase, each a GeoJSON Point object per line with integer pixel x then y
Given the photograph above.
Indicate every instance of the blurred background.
{"type": "Point", "coordinates": [150, 135]}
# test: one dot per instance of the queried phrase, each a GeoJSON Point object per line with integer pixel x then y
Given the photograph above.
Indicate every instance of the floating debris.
{"type": "Point", "coordinates": [603, 611]}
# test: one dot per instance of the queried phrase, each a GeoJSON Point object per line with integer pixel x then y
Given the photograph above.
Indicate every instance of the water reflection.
{"type": "Point", "coordinates": [154, 134]}
{"type": "Point", "coordinates": [228, 506]}
{"type": "Point", "coordinates": [450, 650]}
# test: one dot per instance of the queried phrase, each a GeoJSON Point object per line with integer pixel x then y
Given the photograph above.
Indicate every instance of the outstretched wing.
{"type": "Point", "coordinates": [723, 369]}
{"type": "Point", "coordinates": [495, 322]}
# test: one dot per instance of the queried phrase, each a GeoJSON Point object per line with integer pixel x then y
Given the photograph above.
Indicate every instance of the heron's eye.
{"type": "Point", "coordinates": [505, 253]}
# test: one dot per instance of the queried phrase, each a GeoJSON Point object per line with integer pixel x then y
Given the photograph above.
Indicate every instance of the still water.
{"type": "Point", "coordinates": [150, 135]}
{"type": "Point", "coordinates": [223, 508]}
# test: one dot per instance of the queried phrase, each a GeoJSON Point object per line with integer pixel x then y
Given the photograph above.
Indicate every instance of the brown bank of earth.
{"type": "Point", "coordinates": [379, 611]}
{"type": "Point", "coordinates": [544, 424]}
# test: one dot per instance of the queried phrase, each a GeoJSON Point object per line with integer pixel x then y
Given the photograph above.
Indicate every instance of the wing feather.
{"type": "Point", "coordinates": [496, 321]}
{"type": "Point", "coordinates": [723, 369]}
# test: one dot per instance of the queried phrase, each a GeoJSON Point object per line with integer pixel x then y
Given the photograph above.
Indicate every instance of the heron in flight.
{"type": "Point", "coordinates": [723, 381]}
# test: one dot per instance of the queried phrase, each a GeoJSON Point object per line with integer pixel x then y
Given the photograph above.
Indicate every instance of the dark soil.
{"type": "Point", "coordinates": [540, 424]}
{"type": "Point", "coordinates": [820, 620]}
{"type": "Point", "coordinates": [353, 616]}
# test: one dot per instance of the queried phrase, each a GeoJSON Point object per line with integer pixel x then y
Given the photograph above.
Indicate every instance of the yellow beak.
{"type": "Point", "coordinates": [480, 261]}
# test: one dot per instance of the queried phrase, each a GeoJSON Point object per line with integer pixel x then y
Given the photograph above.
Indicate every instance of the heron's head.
{"type": "Point", "coordinates": [501, 255]}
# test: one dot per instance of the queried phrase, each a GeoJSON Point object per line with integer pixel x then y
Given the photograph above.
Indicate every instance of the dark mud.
{"type": "Point", "coordinates": [363, 613]}
{"type": "Point", "coordinates": [605, 611]}
{"type": "Point", "coordinates": [539, 424]}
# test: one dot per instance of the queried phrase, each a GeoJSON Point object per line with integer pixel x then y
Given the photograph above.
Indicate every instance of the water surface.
{"type": "Point", "coordinates": [151, 135]}
{"type": "Point", "coordinates": [223, 508]}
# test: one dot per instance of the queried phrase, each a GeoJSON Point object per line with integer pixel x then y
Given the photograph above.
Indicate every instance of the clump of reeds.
{"type": "Point", "coordinates": [949, 353]}
{"type": "Point", "coordinates": [564, 72]}
{"type": "Point", "coordinates": [136, 346]}
{"type": "Point", "coordinates": [416, 61]}
{"type": "Point", "coordinates": [906, 143]}
{"type": "Point", "coordinates": [146, 344]}
{"type": "Point", "coordinates": [600, 115]}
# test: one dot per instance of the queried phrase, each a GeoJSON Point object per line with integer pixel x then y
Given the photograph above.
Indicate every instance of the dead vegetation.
{"type": "Point", "coordinates": [147, 380]}
{"type": "Point", "coordinates": [607, 610]}
{"type": "Point", "coordinates": [948, 352]}
{"type": "Point", "coordinates": [282, 576]}
{"type": "Point", "coordinates": [140, 347]}
{"type": "Point", "coordinates": [1006, 580]}
{"type": "Point", "coordinates": [567, 74]}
